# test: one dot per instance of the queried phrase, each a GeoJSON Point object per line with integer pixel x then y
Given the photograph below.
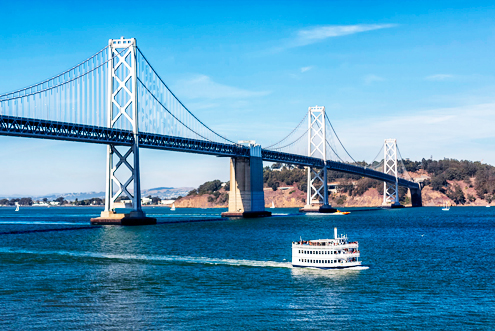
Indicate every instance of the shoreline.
{"type": "Point", "coordinates": [159, 206]}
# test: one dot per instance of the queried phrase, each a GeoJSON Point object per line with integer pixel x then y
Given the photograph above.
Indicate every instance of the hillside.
{"type": "Point", "coordinates": [460, 183]}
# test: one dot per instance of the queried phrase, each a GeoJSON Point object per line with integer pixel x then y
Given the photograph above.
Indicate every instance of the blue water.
{"type": "Point", "coordinates": [429, 269]}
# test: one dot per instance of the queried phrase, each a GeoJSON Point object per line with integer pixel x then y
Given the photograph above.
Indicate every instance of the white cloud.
{"type": "Point", "coordinates": [369, 79]}
{"type": "Point", "coordinates": [317, 34]}
{"type": "Point", "coordinates": [201, 86]}
{"type": "Point", "coordinates": [445, 132]}
{"type": "Point", "coordinates": [304, 69]}
{"type": "Point", "coordinates": [439, 77]}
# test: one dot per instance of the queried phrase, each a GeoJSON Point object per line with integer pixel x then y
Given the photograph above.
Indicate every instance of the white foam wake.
{"type": "Point", "coordinates": [40, 223]}
{"type": "Point", "coordinates": [163, 258]}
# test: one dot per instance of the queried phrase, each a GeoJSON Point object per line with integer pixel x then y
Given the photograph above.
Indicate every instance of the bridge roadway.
{"type": "Point", "coordinates": [43, 129]}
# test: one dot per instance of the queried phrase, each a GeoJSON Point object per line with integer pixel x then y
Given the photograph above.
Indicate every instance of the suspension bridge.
{"type": "Point", "coordinates": [116, 98]}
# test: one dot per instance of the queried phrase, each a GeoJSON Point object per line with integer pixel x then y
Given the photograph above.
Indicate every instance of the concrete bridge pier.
{"type": "Point", "coordinates": [416, 200]}
{"type": "Point", "coordinates": [246, 196]}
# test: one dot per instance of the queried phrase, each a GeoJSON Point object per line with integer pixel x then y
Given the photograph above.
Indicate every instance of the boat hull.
{"type": "Point", "coordinates": [326, 268]}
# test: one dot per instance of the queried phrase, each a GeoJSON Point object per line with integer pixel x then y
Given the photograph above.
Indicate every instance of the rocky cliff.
{"type": "Point", "coordinates": [292, 196]}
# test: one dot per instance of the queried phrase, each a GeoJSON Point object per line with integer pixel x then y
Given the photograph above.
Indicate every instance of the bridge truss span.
{"type": "Point", "coordinates": [34, 128]}
{"type": "Point", "coordinates": [116, 98]}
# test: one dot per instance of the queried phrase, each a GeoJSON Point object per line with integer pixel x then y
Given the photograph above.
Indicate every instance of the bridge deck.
{"type": "Point", "coordinates": [43, 129]}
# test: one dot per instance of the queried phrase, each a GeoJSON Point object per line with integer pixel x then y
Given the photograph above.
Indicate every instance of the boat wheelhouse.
{"type": "Point", "coordinates": [336, 253]}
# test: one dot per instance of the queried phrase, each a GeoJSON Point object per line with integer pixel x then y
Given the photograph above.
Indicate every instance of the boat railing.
{"type": "Point", "coordinates": [318, 244]}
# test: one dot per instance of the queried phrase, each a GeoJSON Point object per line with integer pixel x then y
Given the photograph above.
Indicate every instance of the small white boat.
{"type": "Point", "coordinates": [17, 206]}
{"type": "Point", "coordinates": [487, 206]}
{"type": "Point", "coordinates": [446, 207]}
{"type": "Point", "coordinates": [336, 253]}
{"type": "Point", "coordinates": [273, 205]}
{"type": "Point", "coordinates": [173, 207]}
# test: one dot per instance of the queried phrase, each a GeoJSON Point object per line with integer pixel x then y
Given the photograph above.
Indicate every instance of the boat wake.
{"type": "Point", "coordinates": [40, 223]}
{"type": "Point", "coordinates": [158, 258]}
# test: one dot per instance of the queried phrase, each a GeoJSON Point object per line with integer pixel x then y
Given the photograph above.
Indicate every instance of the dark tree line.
{"type": "Point", "coordinates": [285, 176]}
{"type": "Point", "coordinates": [213, 189]}
{"type": "Point", "coordinates": [442, 171]}
{"type": "Point", "coordinates": [21, 201]}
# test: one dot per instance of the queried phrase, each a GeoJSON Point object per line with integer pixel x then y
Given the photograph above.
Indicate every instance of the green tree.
{"type": "Point", "coordinates": [26, 201]}
{"type": "Point", "coordinates": [209, 187]}
{"type": "Point", "coordinates": [456, 195]}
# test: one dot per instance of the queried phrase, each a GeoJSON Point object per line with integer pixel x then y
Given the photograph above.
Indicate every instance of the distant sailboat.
{"type": "Point", "coordinates": [17, 206]}
{"type": "Point", "coordinates": [446, 207]}
{"type": "Point", "coordinates": [273, 205]}
{"type": "Point", "coordinates": [173, 207]}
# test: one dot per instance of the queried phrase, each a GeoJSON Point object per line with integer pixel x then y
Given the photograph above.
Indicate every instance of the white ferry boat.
{"type": "Point", "coordinates": [336, 253]}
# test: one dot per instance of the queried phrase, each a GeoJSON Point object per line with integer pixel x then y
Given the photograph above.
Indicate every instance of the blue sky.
{"type": "Point", "coordinates": [421, 72]}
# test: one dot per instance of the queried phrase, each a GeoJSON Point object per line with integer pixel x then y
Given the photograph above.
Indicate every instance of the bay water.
{"type": "Point", "coordinates": [428, 270]}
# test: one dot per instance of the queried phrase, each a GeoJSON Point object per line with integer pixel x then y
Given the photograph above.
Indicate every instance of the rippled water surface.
{"type": "Point", "coordinates": [429, 269]}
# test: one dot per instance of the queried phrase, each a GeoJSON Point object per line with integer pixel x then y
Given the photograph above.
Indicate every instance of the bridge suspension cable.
{"type": "Point", "coordinates": [80, 95]}
{"type": "Point", "coordinates": [333, 150]}
{"type": "Point", "coordinates": [292, 143]}
{"type": "Point", "coordinates": [153, 121]}
{"type": "Point", "coordinates": [285, 138]}
{"type": "Point", "coordinates": [379, 164]}
{"type": "Point", "coordinates": [54, 78]}
{"type": "Point", "coordinates": [77, 95]}
{"type": "Point", "coordinates": [175, 117]}
{"type": "Point", "coordinates": [405, 173]}
{"type": "Point", "coordinates": [336, 135]}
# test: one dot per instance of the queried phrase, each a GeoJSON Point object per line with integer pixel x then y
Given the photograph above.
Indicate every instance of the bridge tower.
{"type": "Point", "coordinates": [390, 191]}
{"type": "Point", "coordinates": [122, 113]}
{"type": "Point", "coordinates": [317, 189]}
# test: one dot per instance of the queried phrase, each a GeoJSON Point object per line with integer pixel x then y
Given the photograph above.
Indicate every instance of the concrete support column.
{"type": "Point", "coordinates": [246, 196]}
{"type": "Point", "coordinates": [325, 187]}
{"type": "Point", "coordinates": [416, 200]}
